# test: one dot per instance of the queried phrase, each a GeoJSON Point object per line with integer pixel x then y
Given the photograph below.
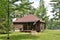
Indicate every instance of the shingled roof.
{"type": "Point", "coordinates": [28, 18]}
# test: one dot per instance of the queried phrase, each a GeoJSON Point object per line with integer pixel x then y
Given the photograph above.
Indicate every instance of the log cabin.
{"type": "Point", "coordinates": [29, 23]}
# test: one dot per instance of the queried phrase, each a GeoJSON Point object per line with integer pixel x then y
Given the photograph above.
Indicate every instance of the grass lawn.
{"type": "Point", "coordinates": [46, 35]}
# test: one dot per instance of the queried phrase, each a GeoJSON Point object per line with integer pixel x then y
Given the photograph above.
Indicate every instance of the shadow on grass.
{"type": "Point", "coordinates": [21, 37]}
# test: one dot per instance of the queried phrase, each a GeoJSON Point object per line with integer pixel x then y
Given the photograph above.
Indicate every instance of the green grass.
{"type": "Point", "coordinates": [46, 35]}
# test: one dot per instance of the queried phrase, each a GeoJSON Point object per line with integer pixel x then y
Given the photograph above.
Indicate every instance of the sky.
{"type": "Point", "coordinates": [46, 3]}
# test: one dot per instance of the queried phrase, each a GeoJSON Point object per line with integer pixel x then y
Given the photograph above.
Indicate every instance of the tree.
{"type": "Point", "coordinates": [23, 8]}
{"type": "Point", "coordinates": [3, 14]}
{"type": "Point", "coordinates": [56, 10]}
{"type": "Point", "coordinates": [4, 17]}
{"type": "Point", "coordinates": [41, 12]}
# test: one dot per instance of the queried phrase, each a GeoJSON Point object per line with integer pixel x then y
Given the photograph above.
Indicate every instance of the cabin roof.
{"type": "Point", "coordinates": [28, 18]}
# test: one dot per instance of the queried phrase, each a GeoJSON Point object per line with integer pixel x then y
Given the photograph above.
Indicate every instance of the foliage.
{"type": "Point", "coordinates": [53, 24]}
{"type": "Point", "coordinates": [22, 9]}
{"type": "Point", "coordinates": [56, 8]}
{"type": "Point", "coordinates": [41, 12]}
{"type": "Point", "coordinates": [4, 16]}
{"type": "Point", "coordinates": [15, 11]}
{"type": "Point", "coordinates": [55, 21]}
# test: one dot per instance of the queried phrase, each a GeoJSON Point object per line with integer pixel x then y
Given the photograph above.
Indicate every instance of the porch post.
{"type": "Point", "coordinates": [27, 26]}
